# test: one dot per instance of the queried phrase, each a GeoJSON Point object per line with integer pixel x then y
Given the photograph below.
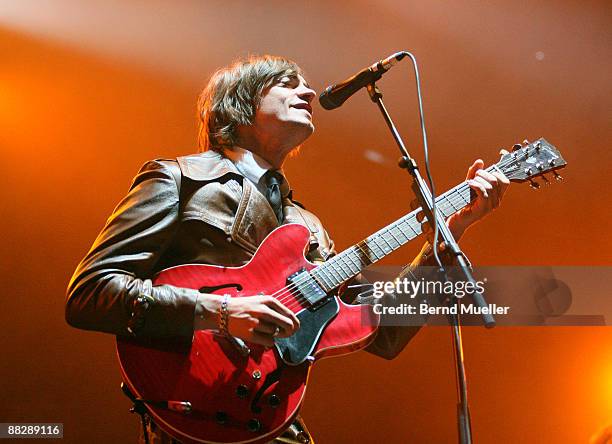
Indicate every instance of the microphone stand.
{"type": "Point", "coordinates": [433, 214]}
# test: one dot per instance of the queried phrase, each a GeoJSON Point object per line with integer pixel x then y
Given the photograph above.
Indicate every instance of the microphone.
{"type": "Point", "coordinates": [335, 95]}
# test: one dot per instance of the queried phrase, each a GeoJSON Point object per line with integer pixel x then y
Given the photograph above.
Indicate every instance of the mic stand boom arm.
{"type": "Point", "coordinates": [432, 214]}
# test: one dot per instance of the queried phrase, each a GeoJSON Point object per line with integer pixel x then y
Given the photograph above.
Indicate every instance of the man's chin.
{"type": "Point", "coordinates": [304, 128]}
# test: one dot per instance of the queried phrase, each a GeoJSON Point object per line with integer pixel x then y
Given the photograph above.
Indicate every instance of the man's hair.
{"type": "Point", "coordinates": [233, 94]}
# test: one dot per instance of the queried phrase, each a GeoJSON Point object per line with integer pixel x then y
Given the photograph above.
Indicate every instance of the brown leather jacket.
{"type": "Point", "coordinates": [219, 218]}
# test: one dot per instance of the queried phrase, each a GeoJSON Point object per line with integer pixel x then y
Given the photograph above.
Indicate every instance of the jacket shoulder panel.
{"type": "Point", "coordinates": [206, 166]}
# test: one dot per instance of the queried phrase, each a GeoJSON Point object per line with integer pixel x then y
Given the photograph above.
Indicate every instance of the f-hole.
{"type": "Point", "coordinates": [219, 287]}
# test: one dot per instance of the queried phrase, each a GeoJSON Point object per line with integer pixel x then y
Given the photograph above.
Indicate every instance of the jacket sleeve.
{"type": "Point", "coordinates": [391, 340]}
{"type": "Point", "coordinates": [111, 290]}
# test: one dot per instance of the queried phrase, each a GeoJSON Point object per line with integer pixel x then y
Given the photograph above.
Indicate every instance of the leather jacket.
{"type": "Point", "coordinates": [219, 217]}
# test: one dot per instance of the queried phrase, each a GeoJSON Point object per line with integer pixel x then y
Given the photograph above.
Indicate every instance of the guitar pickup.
{"type": "Point", "coordinates": [306, 287]}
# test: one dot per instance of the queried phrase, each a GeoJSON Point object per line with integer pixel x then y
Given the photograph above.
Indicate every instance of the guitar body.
{"type": "Point", "coordinates": [237, 397]}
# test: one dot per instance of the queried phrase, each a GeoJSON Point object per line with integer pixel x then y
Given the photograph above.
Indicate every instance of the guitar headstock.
{"type": "Point", "coordinates": [532, 160]}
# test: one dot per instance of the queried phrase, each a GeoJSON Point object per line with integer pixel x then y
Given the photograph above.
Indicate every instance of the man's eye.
{"type": "Point", "coordinates": [287, 82]}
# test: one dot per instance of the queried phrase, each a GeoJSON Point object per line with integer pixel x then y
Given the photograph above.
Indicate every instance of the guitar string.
{"type": "Point", "coordinates": [285, 294]}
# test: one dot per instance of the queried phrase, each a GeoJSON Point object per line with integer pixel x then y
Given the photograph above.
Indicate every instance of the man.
{"type": "Point", "coordinates": [216, 207]}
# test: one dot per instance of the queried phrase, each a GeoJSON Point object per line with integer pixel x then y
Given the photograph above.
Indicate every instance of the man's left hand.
{"type": "Point", "coordinates": [489, 189]}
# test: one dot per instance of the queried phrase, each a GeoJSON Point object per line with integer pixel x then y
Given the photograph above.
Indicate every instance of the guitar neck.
{"type": "Point", "coordinates": [385, 241]}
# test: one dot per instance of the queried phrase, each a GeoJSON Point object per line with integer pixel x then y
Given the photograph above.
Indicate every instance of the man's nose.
{"type": "Point", "coordinates": [307, 94]}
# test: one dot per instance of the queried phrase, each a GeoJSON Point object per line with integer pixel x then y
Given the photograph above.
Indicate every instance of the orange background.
{"type": "Point", "coordinates": [90, 90]}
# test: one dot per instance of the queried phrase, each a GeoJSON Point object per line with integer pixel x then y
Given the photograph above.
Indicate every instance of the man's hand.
{"type": "Point", "coordinates": [257, 319]}
{"type": "Point", "coordinates": [489, 189]}
{"type": "Point", "coordinates": [260, 319]}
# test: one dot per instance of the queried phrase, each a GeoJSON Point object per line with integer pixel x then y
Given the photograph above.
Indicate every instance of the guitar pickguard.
{"type": "Point", "coordinates": [295, 349]}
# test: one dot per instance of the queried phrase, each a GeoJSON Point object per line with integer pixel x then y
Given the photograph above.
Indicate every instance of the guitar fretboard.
{"type": "Point", "coordinates": [354, 259]}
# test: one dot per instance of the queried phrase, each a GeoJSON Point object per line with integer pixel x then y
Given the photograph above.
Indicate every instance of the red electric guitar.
{"type": "Point", "coordinates": [219, 389]}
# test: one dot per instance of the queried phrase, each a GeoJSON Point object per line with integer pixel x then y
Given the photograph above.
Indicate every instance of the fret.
{"type": "Point", "coordinates": [465, 200]}
{"type": "Point", "coordinates": [382, 248]}
{"type": "Point", "coordinates": [326, 273]}
{"type": "Point", "coordinates": [319, 272]}
{"type": "Point", "coordinates": [416, 227]}
{"type": "Point", "coordinates": [391, 239]}
{"type": "Point", "coordinates": [319, 280]}
{"type": "Point", "coordinates": [369, 249]}
{"type": "Point", "coordinates": [371, 243]}
{"type": "Point", "coordinates": [398, 232]}
{"type": "Point", "coordinates": [410, 222]}
{"type": "Point", "coordinates": [339, 270]}
{"type": "Point", "coordinates": [399, 244]}
{"type": "Point", "coordinates": [355, 259]}
{"type": "Point", "coordinates": [404, 226]}
{"type": "Point", "coordinates": [365, 254]}
{"type": "Point", "coordinates": [450, 202]}
{"type": "Point", "coordinates": [386, 240]}
{"type": "Point", "coordinates": [345, 259]}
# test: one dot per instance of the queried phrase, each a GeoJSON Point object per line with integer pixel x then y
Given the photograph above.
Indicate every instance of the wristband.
{"type": "Point", "coordinates": [224, 316]}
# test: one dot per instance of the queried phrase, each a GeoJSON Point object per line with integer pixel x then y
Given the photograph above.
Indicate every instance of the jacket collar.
{"type": "Point", "coordinates": [211, 165]}
{"type": "Point", "coordinates": [207, 166]}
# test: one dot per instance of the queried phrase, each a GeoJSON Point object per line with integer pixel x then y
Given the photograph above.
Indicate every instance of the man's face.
{"type": "Point", "coordinates": [285, 110]}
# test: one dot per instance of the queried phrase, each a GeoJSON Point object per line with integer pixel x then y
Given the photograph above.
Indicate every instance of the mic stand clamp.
{"type": "Point", "coordinates": [139, 408]}
{"type": "Point", "coordinates": [433, 214]}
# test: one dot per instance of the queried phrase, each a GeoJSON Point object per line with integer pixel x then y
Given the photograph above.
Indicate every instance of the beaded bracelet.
{"type": "Point", "coordinates": [224, 316]}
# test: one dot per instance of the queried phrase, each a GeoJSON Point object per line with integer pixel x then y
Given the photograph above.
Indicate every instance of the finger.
{"type": "Point", "coordinates": [283, 333]}
{"type": "Point", "coordinates": [478, 188]}
{"type": "Point", "coordinates": [501, 177]}
{"type": "Point", "coordinates": [262, 339]}
{"type": "Point", "coordinates": [486, 185]}
{"type": "Point", "coordinates": [287, 326]}
{"type": "Point", "coordinates": [426, 227]}
{"type": "Point", "coordinates": [265, 327]}
{"type": "Point", "coordinates": [279, 307]}
{"type": "Point", "coordinates": [414, 204]}
{"type": "Point", "coordinates": [492, 185]}
{"type": "Point", "coordinates": [503, 152]}
{"type": "Point", "coordinates": [486, 176]}
{"type": "Point", "coordinates": [477, 165]}
{"type": "Point", "coordinates": [420, 216]}
{"type": "Point", "coordinates": [503, 183]}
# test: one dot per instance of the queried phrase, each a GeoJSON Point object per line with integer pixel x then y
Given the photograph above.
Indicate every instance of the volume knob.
{"type": "Point", "coordinates": [274, 401]}
{"type": "Point", "coordinates": [254, 425]}
{"type": "Point", "coordinates": [242, 391]}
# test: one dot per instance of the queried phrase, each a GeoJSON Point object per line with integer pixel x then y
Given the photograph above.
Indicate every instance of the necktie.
{"type": "Point", "coordinates": [273, 180]}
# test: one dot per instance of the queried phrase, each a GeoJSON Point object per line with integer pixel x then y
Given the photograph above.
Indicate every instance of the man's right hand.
{"type": "Point", "coordinates": [257, 319]}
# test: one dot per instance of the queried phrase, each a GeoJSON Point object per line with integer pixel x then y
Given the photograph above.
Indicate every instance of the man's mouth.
{"type": "Point", "coordinates": [305, 106]}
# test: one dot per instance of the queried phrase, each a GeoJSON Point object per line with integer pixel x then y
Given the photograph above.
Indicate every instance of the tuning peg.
{"type": "Point", "coordinates": [557, 176]}
{"type": "Point", "coordinates": [533, 184]}
{"type": "Point", "coordinates": [516, 147]}
{"type": "Point", "coordinates": [546, 181]}
{"type": "Point", "coordinates": [525, 142]}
